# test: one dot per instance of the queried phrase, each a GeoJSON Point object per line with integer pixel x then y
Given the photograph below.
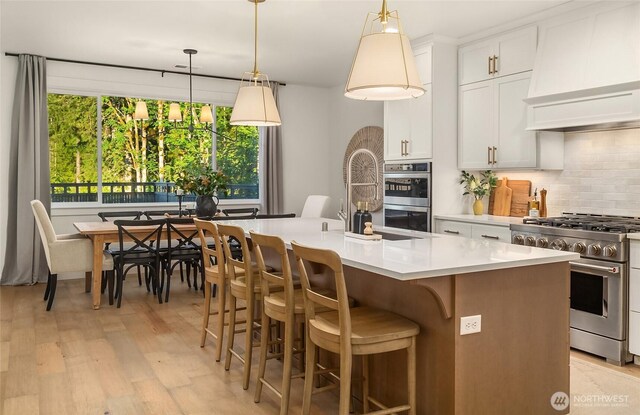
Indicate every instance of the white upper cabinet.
{"type": "Point", "coordinates": [515, 146]}
{"type": "Point", "coordinates": [475, 125]}
{"type": "Point", "coordinates": [407, 132]}
{"type": "Point", "coordinates": [491, 125]}
{"type": "Point", "coordinates": [503, 55]}
{"type": "Point", "coordinates": [408, 123]}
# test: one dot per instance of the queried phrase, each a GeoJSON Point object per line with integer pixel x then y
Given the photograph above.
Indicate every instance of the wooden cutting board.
{"type": "Point", "coordinates": [521, 192]}
{"type": "Point", "coordinates": [502, 199]}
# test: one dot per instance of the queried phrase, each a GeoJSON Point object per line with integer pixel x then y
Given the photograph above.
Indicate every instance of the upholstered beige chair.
{"type": "Point", "coordinates": [65, 253]}
{"type": "Point", "coordinates": [315, 206]}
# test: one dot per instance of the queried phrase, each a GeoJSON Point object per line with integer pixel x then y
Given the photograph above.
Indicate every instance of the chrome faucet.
{"type": "Point", "coordinates": [346, 216]}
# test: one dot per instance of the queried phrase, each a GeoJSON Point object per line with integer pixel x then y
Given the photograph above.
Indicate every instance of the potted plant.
{"type": "Point", "coordinates": [206, 183]}
{"type": "Point", "coordinates": [479, 188]}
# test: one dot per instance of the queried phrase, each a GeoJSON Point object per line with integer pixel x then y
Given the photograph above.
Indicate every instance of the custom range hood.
{"type": "Point", "coordinates": [586, 75]}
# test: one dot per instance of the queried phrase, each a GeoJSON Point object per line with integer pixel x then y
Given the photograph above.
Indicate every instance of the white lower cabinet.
{"type": "Point", "coordinates": [474, 230]}
{"type": "Point", "coordinates": [450, 227]}
{"type": "Point", "coordinates": [634, 299]}
{"type": "Point", "coordinates": [491, 232]}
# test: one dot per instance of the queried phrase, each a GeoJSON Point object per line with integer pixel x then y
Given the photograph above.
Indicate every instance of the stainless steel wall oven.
{"type": "Point", "coordinates": [407, 196]}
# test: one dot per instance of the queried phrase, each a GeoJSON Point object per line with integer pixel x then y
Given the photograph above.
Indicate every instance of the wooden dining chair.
{"type": "Point", "coordinates": [245, 287]}
{"type": "Point", "coordinates": [215, 282]}
{"type": "Point", "coordinates": [360, 331]}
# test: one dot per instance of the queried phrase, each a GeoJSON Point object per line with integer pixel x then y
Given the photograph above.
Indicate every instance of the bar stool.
{"type": "Point", "coordinates": [358, 331]}
{"type": "Point", "coordinates": [283, 303]}
{"type": "Point", "coordinates": [214, 273]}
{"type": "Point", "coordinates": [245, 287]}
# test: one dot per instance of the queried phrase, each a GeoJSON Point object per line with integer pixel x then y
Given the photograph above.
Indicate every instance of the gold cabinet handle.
{"type": "Point", "coordinates": [490, 65]}
{"type": "Point", "coordinates": [495, 160]}
{"type": "Point", "coordinates": [406, 147]}
{"type": "Point", "coordinates": [489, 155]}
{"type": "Point", "coordinates": [402, 148]}
{"type": "Point", "coordinates": [495, 64]}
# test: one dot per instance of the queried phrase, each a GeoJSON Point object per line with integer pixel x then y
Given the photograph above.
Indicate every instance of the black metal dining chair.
{"type": "Point", "coordinates": [142, 239]}
{"type": "Point", "coordinates": [276, 216]}
{"type": "Point", "coordinates": [252, 212]}
{"type": "Point", "coordinates": [182, 248]}
{"type": "Point", "coordinates": [126, 215]}
{"type": "Point", "coordinates": [159, 214]}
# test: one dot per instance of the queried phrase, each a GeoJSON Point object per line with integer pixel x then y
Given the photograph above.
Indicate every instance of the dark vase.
{"type": "Point", "coordinates": [206, 206]}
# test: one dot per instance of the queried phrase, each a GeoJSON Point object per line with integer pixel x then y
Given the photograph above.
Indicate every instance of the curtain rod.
{"type": "Point", "coordinates": [138, 68]}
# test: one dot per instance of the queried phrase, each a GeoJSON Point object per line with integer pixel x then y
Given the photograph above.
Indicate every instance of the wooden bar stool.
{"type": "Point", "coordinates": [283, 303]}
{"type": "Point", "coordinates": [215, 272]}
{"type": "Point", "coordinates": [245, 287]}
{"type": "Point", "coordinates": [358, 331]}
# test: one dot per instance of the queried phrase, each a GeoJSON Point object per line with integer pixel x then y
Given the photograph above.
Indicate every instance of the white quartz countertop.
{"type": "Point", "coordinates": [482, 219]}
{"type": "Point", "coordinates": [429, 255]}
{"type": "Point", "coordinates": [634, 236]}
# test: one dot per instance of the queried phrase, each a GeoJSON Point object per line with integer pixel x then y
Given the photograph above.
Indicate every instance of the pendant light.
{"type": "Point", "coordinates": [255, 104]}
{"type": "Point", "coordinates": [384, 68]}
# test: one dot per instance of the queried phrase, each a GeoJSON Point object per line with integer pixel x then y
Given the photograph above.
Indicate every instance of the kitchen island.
{"type": "Point", "coordinates": [518, 360]}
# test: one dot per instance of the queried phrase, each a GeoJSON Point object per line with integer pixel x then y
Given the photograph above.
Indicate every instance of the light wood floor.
{"type": "Point", "coordinates": [145, 358]}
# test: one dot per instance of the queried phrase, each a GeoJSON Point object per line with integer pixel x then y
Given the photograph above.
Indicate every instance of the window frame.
{"type": "Point", "coordinates": [100, 205]}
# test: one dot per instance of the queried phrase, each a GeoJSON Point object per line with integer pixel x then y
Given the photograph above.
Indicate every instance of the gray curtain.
{"type": "Point", "coordinates": [273, 163]}
{"type": "Point", "coordinates": [24, 261]}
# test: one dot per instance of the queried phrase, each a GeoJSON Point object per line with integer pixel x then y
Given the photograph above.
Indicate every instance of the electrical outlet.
{"type": "Point", "coordinates": [470, 324]}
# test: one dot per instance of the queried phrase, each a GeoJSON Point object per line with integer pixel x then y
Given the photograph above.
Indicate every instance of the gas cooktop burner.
{"type": "Point", "coordinates": [595, 223]}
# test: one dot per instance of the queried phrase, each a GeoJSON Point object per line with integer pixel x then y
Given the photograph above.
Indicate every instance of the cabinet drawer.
{"type": "Point", "coordinates": [491, 233]}
{"type": "Point", "coordinates": [634, 254]}
{"type": "Point", "coordinates": [449, 227]}
{"type": "Point", "coordinates": [634, 290]}
{"type": "Point", "coordinates": [634, 332]}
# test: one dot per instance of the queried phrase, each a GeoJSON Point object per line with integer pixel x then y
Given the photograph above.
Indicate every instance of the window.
{"type": "Point", "coordinates": [122, 160]}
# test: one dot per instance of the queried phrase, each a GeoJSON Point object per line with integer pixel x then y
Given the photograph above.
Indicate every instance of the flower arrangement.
{"type": "Point", "coordinates": [202, 180]}
{"type": "Point", "coordinates": [479, 188]}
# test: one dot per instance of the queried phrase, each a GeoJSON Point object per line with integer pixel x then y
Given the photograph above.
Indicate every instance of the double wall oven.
{"type": "Point", "coordinates": [599, 279]}
{"type": "Point", "coordinates": [407, 196]}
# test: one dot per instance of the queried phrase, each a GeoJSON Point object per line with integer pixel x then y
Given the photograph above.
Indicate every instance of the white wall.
{"type": "Point", "coordinates": [305, 144]}
{"type": "Point", "coordinates": [346, 117]}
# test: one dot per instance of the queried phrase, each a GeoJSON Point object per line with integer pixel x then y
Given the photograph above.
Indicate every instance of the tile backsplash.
{"type": "Point", "coordinates": [601, 174]}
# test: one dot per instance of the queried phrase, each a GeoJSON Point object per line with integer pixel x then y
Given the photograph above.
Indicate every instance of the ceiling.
{"type": "Point", "coordinates": [302, 42]}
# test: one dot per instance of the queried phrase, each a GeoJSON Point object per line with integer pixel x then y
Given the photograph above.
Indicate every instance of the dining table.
{"type": "Point", "coordinates": [107, 232]}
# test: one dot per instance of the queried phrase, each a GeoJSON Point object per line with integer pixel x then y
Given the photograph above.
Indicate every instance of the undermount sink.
{"type": "Point", "coordinates": [395, 236]}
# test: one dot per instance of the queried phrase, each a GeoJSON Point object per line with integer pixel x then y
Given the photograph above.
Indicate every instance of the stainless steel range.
{"type": "Point", "coordinates": [599, 280]}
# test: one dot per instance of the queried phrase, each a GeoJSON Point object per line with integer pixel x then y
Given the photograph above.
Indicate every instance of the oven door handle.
{"type": "Point", "coordinates": [611, 270]}
{"type": "Point", "coordinates": [605, 296]}
{"type": "Point", "coordinates": [419, 209]}
{"type": "Point", "coordinates": [415, 175]}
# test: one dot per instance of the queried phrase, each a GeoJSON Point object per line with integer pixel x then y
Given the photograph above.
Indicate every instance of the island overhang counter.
{"type": "Point", "coordinates": [518, 360]}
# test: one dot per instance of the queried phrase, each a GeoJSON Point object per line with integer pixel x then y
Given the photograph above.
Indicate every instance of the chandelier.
{"type": "Point", "coordinates": [175, 115]}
